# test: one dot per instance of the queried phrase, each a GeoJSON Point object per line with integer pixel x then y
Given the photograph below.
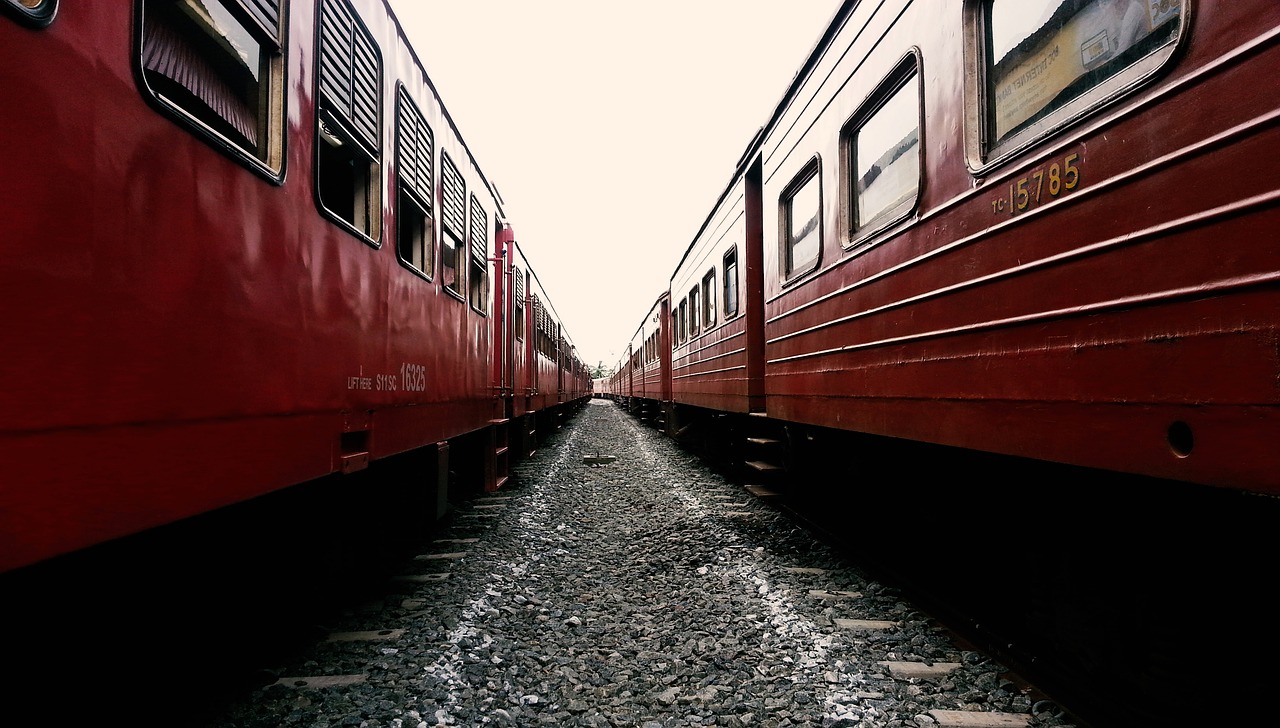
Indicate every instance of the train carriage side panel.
{"type": "Point", "coordinates": [547, 360]}
{"type": "Point", "coordinates": [191, 328]}
{"type": "Point", "coordinates": [521, 321]}
{"type": "Point", "coordinates": [637, 364]}
{"type": "Point", "coordinates": [710, 358]}
{"type": "Point", "coordinates": [1098, 289]}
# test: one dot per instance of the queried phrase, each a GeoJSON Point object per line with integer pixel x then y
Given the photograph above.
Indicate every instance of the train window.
{"type": "Point", "coordinates": [36, 13]}
{"type": "Point", "coordinates": [544, 333]}
{"type": "Point", "coordinates": [453, 196]}
{"type": "Point", "coordinates": [800, 217]}
{"type": "Point", "coordinates": [535, 311]}
{"type": "Point", "coordinates": [519, 301]}
{"type": "Point", "coordinates": [683, 328]}
{"type": "Point", "coordinates": [217, 66]}
{"type": "Point", "coordinates": [709, 299]}
{"type": "Point", "coordinates": [542, 330]}
{"type": "Point", "coordinates": [415, 233]}
{"type": "Point", "coordinates": [695, 310]}
{"type": "Point", "coordinates": [535, 316]}
{"type": "Point", "coordinates": [477, 275]}
{"type": "Point", "coordinates": [881, 152]}
{"type": "Point", "coordinates": [348, 181]}
{"type": "Point", "coordinates": [1046, 62]}
{"type": "Point", "coordinates": [731, 283]}
{"type": "Point", "coordinates": [675, 328]}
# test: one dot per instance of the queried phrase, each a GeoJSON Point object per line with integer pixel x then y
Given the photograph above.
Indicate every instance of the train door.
{"type": "Point", "coordinates": [664, 348]}
{"type": "Point", "coordinates": [753, 286]}
{"type": "Point", "coordinates": [629, 364]}
{"type": "Point", "coordinates": [503, 317]}
{"type": "Point", "coordinates": [560, 359]}
{"type": "Point", "coordinates": [531, 336]}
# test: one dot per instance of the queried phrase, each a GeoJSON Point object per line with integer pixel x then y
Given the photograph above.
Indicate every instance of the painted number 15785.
{"type": "Point", "coordinates": [1042, 184]}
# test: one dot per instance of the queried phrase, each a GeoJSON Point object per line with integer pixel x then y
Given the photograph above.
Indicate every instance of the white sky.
{"type": "Point", "coordinates": [610, 128]}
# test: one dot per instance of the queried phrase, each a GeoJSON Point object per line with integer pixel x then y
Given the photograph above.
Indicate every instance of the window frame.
{"type": "Point", "coordinates": [458, 238]}
{"type": "Point", "coordinates": [423, 200]}
{"type": "Point", "coordinates": [517, 299]}
{"type": "Point", "coordinates": [347, 129]}
{"type": "Point", "coordinates": [408, 209]}
{"type": "Point", "coordinates": [724, 260]}
{"type": "Point", "coordinates": [536, 321]}
{"type": "Point", "coordinates": [273, 90]}
{"type": "Point", "coordinates": [477, 226]}
{"type": "Point", "coordinates": [683, 328]}
{"type": "Point", "coordinates": [982, 153]}
{"type": "Point", "coordinates": [812, 170]}
{"type": "Point", "coordinates": [709, 299]}
{"type": "Point", "coordinates": [695, 313]}
{"type": "Point", "coordinates": [905, 71]}
{"type": "Point", "coordinates": [40, 16]}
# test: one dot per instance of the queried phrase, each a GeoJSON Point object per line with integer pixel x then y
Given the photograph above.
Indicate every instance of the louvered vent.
{"type": "Point", "coordinates": [479, 240]}
{"type": "Point", "coordinates": [415, 149]}
{"type": "Point", "coordinates": [349, 72]}
{"type": "Point", "coordinates": [519, 286]}
{"type": "Point", "coordinates": [454, 197]}
{"type": "Point", "coordinates": [267, 14]}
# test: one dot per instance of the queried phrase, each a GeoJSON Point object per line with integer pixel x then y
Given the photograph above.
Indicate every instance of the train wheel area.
{"type": "Point", "coordinates": [651, 590]}
{"type": "Point", "coordinates": [1126, 597]}
{"type": "Point", "coordinates": [643, 591]}
{"type": "Point", "coordinates": [163, 623]}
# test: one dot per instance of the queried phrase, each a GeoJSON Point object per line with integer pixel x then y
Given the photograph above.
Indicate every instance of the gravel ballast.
{"type": "Point", "coordinates": [646, 591]}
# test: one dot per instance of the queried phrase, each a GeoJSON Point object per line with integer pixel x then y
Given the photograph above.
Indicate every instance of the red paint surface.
{"type": "Point", "coordinates": [181, 334]}
{"type": "Point", "coordinates": [1081, 331]}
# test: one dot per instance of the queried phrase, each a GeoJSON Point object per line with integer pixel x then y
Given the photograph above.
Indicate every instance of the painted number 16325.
{"type": "Point", "coordinates": [1040, 185]}
{"type": "Point", "coordinates": [413, 377]}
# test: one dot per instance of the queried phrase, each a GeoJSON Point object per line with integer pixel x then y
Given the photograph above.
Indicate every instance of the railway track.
{"type": "Point", "coordinates": [646, 591]}
{"type": "Point", "coordinates": [1116, 608]}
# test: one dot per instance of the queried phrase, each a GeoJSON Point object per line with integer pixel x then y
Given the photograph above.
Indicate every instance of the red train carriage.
{"type": "Point", "coordinates": [539, 369]}
{"type": "Point", "coordinates": [1040, 229]}
{"type": "Point", "coordinates": [245, 247]}
{"type": "Point", "coordinates": [648, 364]}
{"type": "Point", "coordinates": [710, 324]}
{"type": "Point", "coordinates": [615, 387]}
{"type": "Point", "coordinates": [622, 380]}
